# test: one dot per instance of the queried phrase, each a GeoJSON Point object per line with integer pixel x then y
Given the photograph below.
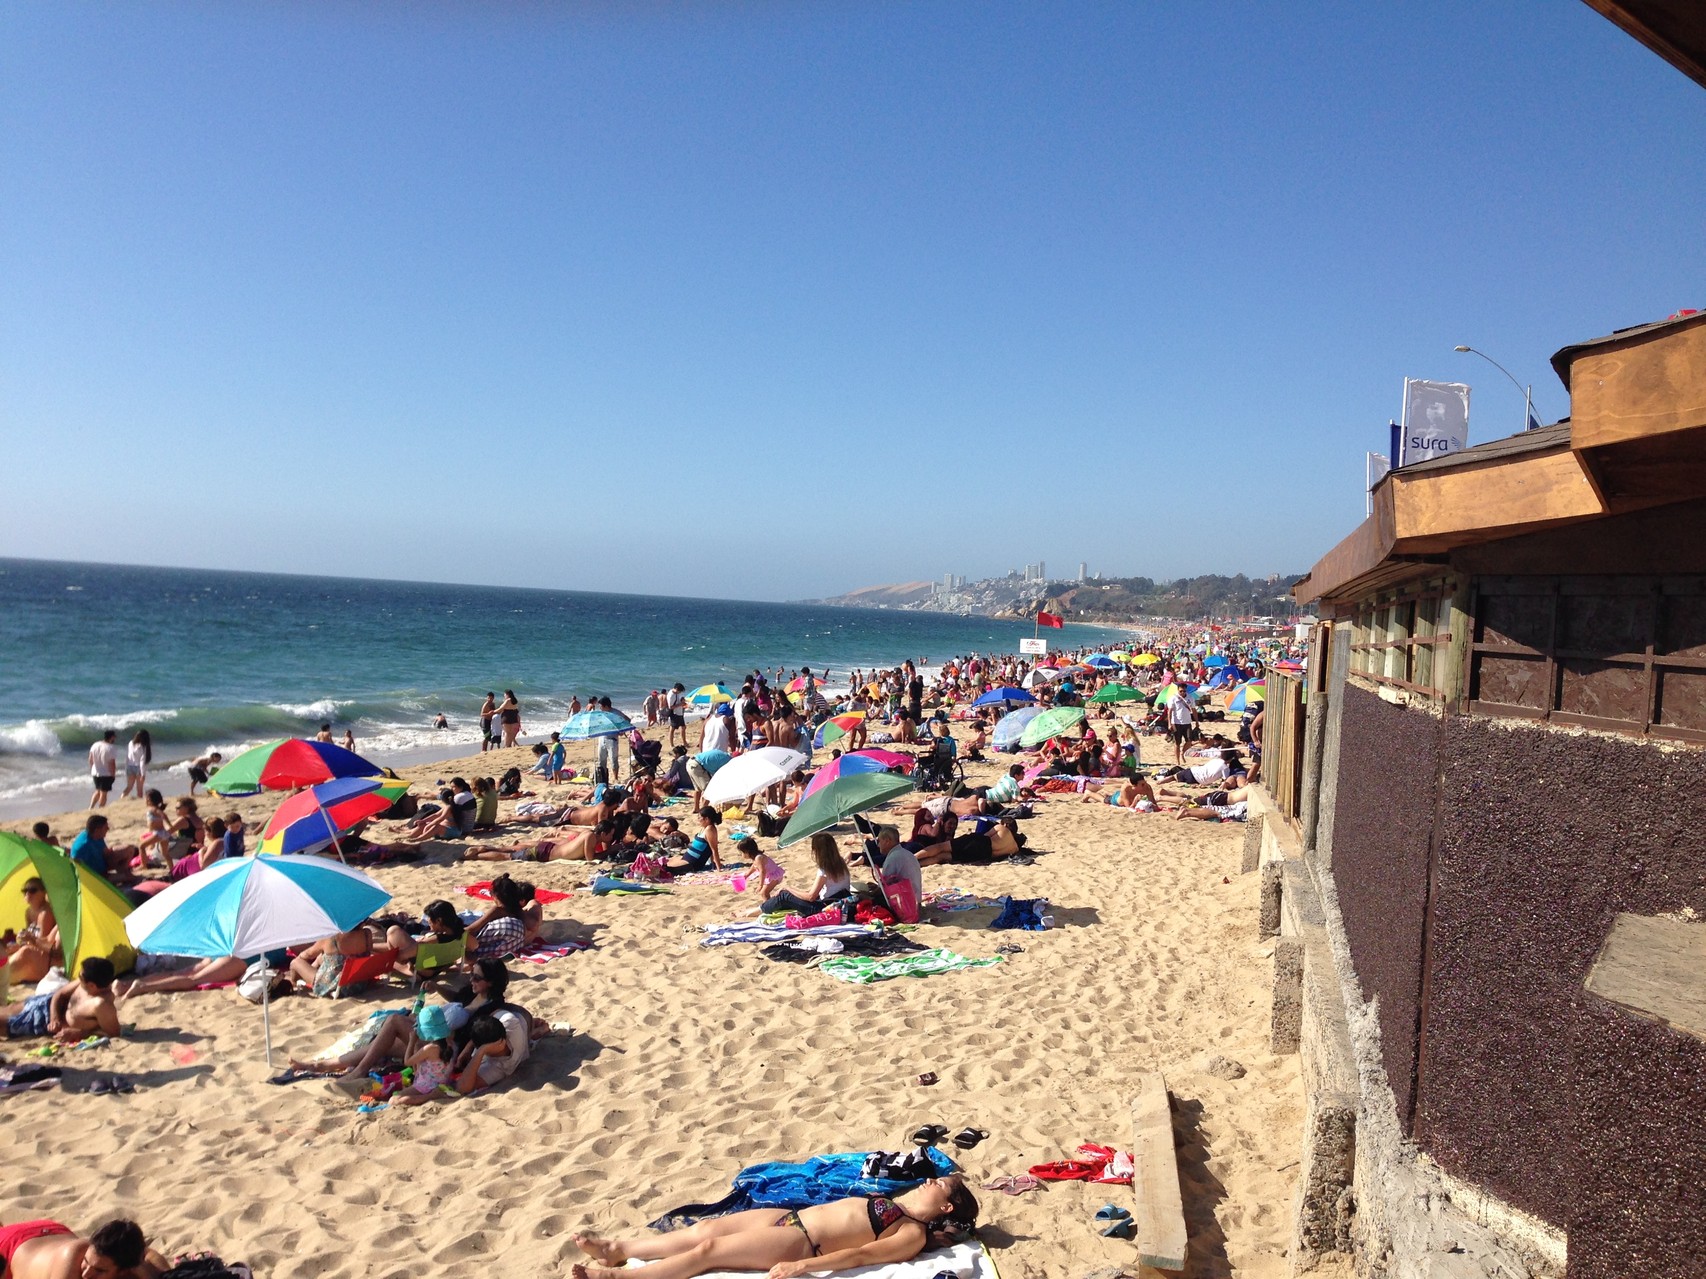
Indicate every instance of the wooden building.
{"type": "Point", "coordinates": [1502, 797]}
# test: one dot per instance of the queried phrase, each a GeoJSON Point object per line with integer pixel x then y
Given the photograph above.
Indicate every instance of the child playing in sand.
{"type": "Point", "coordinates": [431, 1061]}
{"type": "Point", "coordinates": [762, 875]}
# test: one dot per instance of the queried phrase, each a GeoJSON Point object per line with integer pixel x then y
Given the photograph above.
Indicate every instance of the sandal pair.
{"type": "Point", "coordinates": [965, 1138]}
{"type": "Point", "coordinates": [1120, 1225]}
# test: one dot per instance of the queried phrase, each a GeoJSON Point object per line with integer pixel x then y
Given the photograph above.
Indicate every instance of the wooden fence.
{"type": "Point", "coordinates": [1282, 741]}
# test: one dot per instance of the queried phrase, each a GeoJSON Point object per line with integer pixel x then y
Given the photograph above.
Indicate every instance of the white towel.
{"type": "Point", "coordinates": [964, 1260]}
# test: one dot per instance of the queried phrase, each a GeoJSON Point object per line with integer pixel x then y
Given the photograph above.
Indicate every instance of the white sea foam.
{"type": "Point", "coordinates": [32, 737]}
{"type": "Point", "coordinates": [326, 708]}
{"type": "Point", "coordinates": [128, 719]}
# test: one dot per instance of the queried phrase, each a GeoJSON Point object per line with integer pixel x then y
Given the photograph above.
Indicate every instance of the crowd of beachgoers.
{"type": "Point", "coordinates": [879, 773]}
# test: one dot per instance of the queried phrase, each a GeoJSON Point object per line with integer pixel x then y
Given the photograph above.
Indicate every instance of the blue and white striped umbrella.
{"type": "Point", "coordinates": [250, 905]}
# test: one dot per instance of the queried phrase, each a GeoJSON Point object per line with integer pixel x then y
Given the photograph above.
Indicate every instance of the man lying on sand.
{"type": "Point", "coordinates": [832, 1236]}
{"type": "Point", "coordinates": [48, 1250]}
{"type": "Point", "coordinates": [70, 1014]}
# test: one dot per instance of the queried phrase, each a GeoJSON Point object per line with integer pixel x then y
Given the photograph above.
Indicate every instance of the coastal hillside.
{"type": "Point", "coordinates": [1117, 599]}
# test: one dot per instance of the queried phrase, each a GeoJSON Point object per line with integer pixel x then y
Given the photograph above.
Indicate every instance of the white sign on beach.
{"type": "Point", "coordinates": [1029, 646]}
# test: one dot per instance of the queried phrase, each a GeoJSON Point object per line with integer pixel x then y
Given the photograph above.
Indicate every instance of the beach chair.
{"type": "Point", "coordinates": [435, 957]}
{"type": "Point", "coordinates": [363, 970]}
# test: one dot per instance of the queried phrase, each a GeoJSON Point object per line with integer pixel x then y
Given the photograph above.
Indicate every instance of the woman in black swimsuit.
{"type": "Point", "coordinates": [832, 1236]}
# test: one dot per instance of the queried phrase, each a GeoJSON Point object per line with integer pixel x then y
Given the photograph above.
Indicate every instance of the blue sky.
{"type": "Point", "coordinates": [776, 300]}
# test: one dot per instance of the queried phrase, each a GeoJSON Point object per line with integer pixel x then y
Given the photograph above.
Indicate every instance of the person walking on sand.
{"type": "Point", "coordinates": [488, 711]}
{"type": "Point", "coordinates": [675, 705]}
{"type": "Point", "coordinates": [1181, 720]}
{"type": "Point", "coordinates": [137, 757]}
{"type": "Point", "coordinates": [509, 717]}
{"type": "Point", "coordinates": [103, 767]}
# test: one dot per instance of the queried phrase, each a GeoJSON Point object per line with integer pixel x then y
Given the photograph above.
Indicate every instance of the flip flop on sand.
{"type": "Point", "coordinates": [966, 1138]}
{"type": "Point", "coordinates": [929, 1134]}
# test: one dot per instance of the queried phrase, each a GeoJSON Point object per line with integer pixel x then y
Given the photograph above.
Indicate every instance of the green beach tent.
{"type": "Point", "coordinates": [90, 911]}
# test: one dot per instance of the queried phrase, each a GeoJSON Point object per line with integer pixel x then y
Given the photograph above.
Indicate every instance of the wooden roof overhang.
{"type": "Point", "coordinates": [1673, 29]}
{"type": "Point", "coordinates": [1636, 438]}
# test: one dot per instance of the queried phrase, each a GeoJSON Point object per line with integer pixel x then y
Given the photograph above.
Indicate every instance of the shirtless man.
{"type": "Point", "coordinates": [70, 1014]}
{"type": "Point", "coordinates": [48, 1250]}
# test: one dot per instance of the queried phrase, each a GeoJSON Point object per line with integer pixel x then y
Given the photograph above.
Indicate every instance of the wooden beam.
{"type": "Point", "coordinates": [1441, 509]}
{"type": "Point", "coordinates": [1673, 29]}
{"type": "Point", "coordinates": [1655, 968]}
{"type": "Point", "coordinates": [1650, 387]}
{"type": "Point", "coordinates": [1160, 1215]}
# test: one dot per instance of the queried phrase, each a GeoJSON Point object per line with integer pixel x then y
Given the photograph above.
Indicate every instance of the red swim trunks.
{"type": "Point", "coordinates": [22, 1232]}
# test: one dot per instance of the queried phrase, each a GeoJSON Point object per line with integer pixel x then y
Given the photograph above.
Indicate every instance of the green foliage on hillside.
{"type": "Point", "coordinates": [1126, 597]}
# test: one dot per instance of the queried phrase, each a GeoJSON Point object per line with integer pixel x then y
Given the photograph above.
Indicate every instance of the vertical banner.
{"type": "Point", "coordinates": [1376, 466]}
{"type": "Point", "coordinates": [1436, 420]}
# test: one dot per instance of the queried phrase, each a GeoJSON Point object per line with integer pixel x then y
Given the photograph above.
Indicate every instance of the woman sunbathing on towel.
{"type": "Point", "coordinates": [832, 1236]}
{"type": "Point", "coordinates": [587, 845]}
{"type": "Point", "coordinates": [1121, 794]}
{"type": "Point", "coordinates": [574, 815]}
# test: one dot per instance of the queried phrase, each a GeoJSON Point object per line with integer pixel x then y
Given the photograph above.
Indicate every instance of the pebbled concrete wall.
{"type": "Point", "coordinates": [1582, 1114]}
{"type": "Point", "coordinates": [1382, 823]}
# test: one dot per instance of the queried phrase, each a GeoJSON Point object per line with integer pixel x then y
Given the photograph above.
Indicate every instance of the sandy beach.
{"type": "Point", "coordinates": [685, 1064]}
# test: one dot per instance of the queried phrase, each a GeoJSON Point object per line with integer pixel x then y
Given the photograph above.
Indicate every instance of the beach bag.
{"type": "Point", "coordinates": [648, 868]}
{"type": "Point", "coordinates": [901, 899]}
{"type": "Point", "coordinates": [252, 985]}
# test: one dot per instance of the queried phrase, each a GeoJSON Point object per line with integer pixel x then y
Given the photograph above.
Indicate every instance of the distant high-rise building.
{"type": "Point", "coordinates": [1042, 573]}
{"type": "Point", "coordinates": [1083, 571]}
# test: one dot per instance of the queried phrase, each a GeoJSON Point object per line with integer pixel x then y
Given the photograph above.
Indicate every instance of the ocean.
{"type": "Point", "coordinates": [220, 660]}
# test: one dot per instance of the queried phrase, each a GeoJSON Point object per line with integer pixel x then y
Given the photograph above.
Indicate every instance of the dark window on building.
{"type": "Point", "coordinates": [1622, 653]}
{"type": "Point", "coordinates": [1400, 638]}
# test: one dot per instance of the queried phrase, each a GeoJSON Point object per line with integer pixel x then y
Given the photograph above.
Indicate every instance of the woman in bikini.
{"type": "Point", "coordinates": [832, 1236]}
{"type": "Point", "coordinates": [37, 948]}
{"type": "Point", "coordinates": [582, 845]}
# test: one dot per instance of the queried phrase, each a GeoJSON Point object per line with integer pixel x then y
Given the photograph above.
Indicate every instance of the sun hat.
{"type": "Point", "coordinates": [431, 1023]}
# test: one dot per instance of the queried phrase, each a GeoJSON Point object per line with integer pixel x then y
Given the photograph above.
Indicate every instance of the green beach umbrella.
{"type": "Point", "coordinates": [89, 911]}
{"type": "Point", "coordinates": [848, 794]}
{"type": "Point", "coordinates": [1117, 693]}
{"type": "Point", "coordinates": [1051, 724]}
{"type": "Point", "coordinates": [1169, 690]}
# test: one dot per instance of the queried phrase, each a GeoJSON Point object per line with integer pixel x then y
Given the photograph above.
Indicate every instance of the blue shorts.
{"type": "Point", "coordinates": [32, 1021]}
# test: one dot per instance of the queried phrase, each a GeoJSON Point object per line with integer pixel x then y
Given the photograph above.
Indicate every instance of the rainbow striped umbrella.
{"type": "Point", "coordinates": [858, 762]}
{"type": "Point", "coordinates": [287, 764]}
{"type": "Point", "coordinates": [836, 727]}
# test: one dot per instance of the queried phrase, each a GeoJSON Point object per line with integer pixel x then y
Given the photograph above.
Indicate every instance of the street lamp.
{"type": "Point", "coordinates": [1527, 391]}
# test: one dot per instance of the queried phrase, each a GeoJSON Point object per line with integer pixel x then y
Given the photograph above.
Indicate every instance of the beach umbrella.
{"type": "Point", "coordinates": [287, 764]}
{"type": "Point", "coordinates": [1101, 662]}
{"type": "Point", "coordinates": [90, 912]}
{"type": "Point", "coordinates": [1216, 660]}
{"type": "Point", "coordinates": [1117, 693]}
{"type": "Point", "coordinates": [1145, 659]}
{"type": "Point", "coordinates": [1006, 734]}
{"type": "Point", "coordinates": [311, 819]}
{"type": "Point", "coordinates": [600, 723]}
{"type": "Point", "coordinates": [1051, 724]}
{"type": "Point", "coordinates": [798, 684]}
{"type": "Point", "coordinates": [752, 772]}
{"type": "Point", "coordinates": [836, 727]}
{"type": "Point", "coordinates": [249, 905]}
{"type": "Point", "coordinates": [858, 762]}
{"type": "Point", "coordinates": [1168, 691]}
{"type": "Point", "coordinates": [1247, 695]}
{"type": "Point", "coordinates": [841, 799]}
{"type": "Point", "coordinates": [1005, 697]}
{"type": "Point", "coordinates": [1225, 675]}
{"type": "Point", "coordinates": [710, 695]}
{"type": "Point", "coordinates": [1040, 676]}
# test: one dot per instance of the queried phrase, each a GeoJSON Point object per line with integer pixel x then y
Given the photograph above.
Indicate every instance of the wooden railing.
{"type": "Point", "coordinates": [1282, 741]}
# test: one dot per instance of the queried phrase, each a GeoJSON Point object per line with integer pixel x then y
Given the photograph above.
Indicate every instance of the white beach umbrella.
{"type": "Point", "coordinates": [752, 772]}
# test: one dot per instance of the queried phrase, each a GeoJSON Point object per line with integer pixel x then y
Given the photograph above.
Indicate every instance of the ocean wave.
{"type": "Point", "coordinates": [33, 737]}
{"type": "Point", "coordinates": [325, 709]}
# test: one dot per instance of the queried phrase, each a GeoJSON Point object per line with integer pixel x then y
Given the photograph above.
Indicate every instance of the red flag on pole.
{"type": "Point", "coordinates": [1050, 619]}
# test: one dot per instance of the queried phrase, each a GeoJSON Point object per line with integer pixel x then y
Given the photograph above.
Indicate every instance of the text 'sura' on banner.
{"type": "Point", "coordinates": [1436, 420]}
